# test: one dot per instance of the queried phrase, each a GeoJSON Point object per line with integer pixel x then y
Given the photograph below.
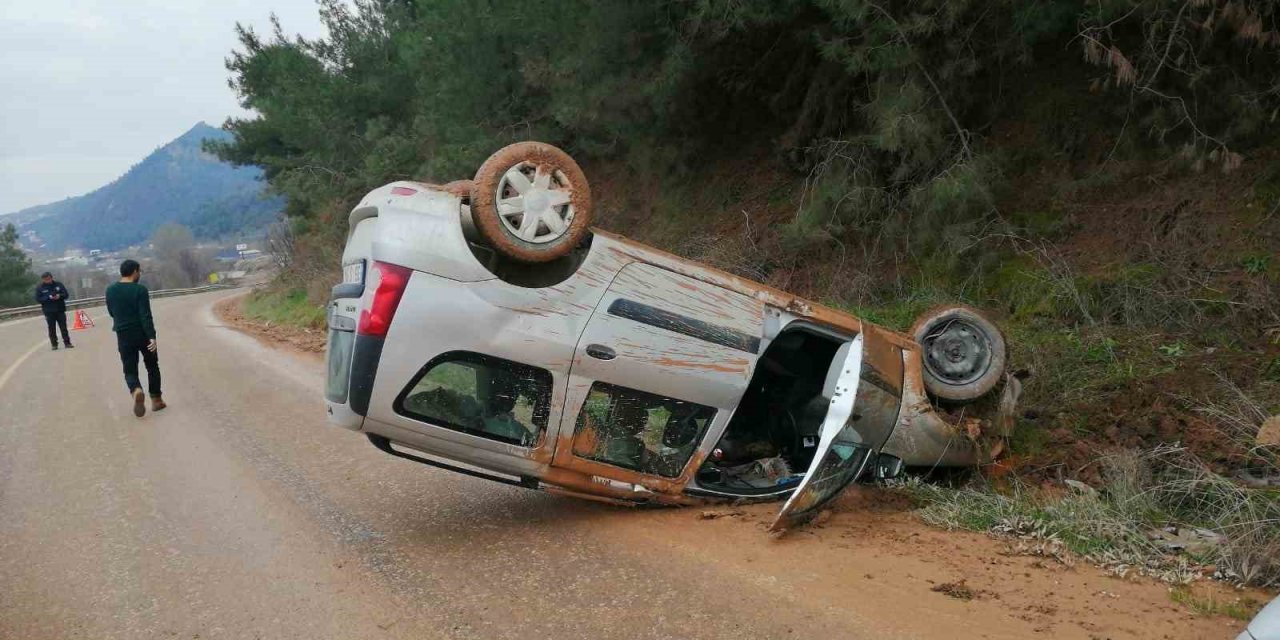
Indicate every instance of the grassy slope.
{"type": "Point", "coordinates": [283, 305]}
{"type": "Point", "coordinates": [1144, 297]}
{"type": "Point", "coordinates": [1140, 296]}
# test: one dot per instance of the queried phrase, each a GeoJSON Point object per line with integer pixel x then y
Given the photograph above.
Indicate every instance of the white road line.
{"type": "Point", "coordinates": [8, 373]}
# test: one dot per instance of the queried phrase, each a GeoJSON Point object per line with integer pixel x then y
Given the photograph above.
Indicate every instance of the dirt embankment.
{"type": "Point", "coordinates": [873, 556]}
{"type": "Point", "coordinates": [1174, 275]}
{"type": "Point", "coordinates": [873, 553]}
{"type": "Point", "coordinates": [307, 342]}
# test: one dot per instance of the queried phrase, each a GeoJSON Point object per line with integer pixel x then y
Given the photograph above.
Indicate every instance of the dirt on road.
{"type": "Point", "coordinates": [238, 513]}
{"type": "Point", "coordinates": [874, 556]}
{"type": "Point", "coordinates": [875, 562]}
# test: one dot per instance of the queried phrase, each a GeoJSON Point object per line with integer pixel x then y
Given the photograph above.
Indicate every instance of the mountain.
{"type": "Point", "coordinates": [178, 182]}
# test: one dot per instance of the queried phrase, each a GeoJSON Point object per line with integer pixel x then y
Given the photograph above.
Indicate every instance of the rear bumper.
{"type": "Point", "coordinates": [364, 369]}
{"type": "Point", "coordinates": [341, 415]}
{"type": "Point", "coordinates": [351, 386]}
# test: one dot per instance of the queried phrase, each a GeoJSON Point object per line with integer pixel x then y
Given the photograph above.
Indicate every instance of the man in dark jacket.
{"type": "Point", "coordinates": [52, 297]}
{"type": "Point", "coordinates": [130, 307]}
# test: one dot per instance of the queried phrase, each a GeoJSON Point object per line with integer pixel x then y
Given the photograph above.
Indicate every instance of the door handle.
{"type": "Point", "coordinates": [601, 352]}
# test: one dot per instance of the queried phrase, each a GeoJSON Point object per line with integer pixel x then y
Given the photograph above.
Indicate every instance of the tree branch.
{"type": "Point", "coordinates": [960, 131]}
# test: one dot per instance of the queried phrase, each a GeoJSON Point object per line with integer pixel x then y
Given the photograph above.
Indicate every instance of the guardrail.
{"type": "Point", "coordinates": [18, 312]}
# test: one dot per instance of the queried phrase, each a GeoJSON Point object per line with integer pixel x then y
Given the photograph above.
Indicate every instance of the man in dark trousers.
{"type": "Point", "coordinates": [129, 305]}
{"type": "Point", "coordinates": [52, 297]}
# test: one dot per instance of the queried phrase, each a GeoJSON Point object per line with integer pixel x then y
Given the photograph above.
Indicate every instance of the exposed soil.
{"type": "Point", "coordinates": [1197, 228]}
{"type": "Point", "coordinates": [958, 590]}
{"type": "Point", "coordinates": [308, 342]}
{"type": "Point", "coordinates": [874, 553]}
{"type": "Point", "coordinates": [1145, 414]}
{"type": "Point", "coordinates": [892, 571]}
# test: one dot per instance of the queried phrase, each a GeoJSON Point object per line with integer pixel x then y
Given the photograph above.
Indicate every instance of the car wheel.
{"type": "Point", "coordinates": [963, 353]}
{"type": "Point", "coordinates": [531, 202]}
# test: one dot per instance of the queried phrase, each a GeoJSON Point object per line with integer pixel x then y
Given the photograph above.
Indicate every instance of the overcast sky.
{"type": "Point", "coordinates": [90, 87]}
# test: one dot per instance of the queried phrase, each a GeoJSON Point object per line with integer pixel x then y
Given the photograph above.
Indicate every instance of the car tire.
{"type": "Point", "coordinates": [531, 202]}
{"type": "Point", "coordinates": [963, 353]}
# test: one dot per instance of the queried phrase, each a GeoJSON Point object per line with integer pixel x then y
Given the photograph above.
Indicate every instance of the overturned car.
{"type": "Point", "coordinates": [484, 327]}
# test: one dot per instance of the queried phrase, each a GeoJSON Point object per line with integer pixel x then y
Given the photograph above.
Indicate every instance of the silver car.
{"type": "Point", "coordinates": [1265, 626]}
{"type": "Point", "coordinates": [484, 327]}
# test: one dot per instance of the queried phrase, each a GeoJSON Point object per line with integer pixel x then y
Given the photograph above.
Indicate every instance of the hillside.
{"type": "Point", "coordinates": [1100, 177]}
{"type": "Point", "coordinates": [179, 182]}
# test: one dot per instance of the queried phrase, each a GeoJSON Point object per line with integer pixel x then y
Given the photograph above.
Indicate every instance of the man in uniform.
{"type": "Point", "coordinates": [52, 297]}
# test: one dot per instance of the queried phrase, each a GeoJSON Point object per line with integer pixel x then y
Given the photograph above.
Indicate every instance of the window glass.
{"type": "Point", "coordinates": [638, 430]}
{"type": "Point", "coordinates": [844, 461]}
{"type": "Point", "coordinates": [483, 396]}
{"type": "Point", "coordinates": [341, 344]}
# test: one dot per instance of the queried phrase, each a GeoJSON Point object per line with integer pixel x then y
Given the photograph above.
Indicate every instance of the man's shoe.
{"type": "Point", "coordinates": [139, 403]}
{"type": "Point", "coordinates": [69, 345]}
{"type": "Point", "coordinates": [157, 403]}
{"type": "Point", "coordinates": [55, 346]}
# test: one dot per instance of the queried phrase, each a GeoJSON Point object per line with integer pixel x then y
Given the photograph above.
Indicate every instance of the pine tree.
{"type": "Point", "coordinates": [16, 280]}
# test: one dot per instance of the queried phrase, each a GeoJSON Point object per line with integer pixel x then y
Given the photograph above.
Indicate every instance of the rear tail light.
{"type": "Point", "coordinates": [392, 280]}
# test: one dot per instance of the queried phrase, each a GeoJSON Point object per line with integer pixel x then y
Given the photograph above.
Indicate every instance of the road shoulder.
{"type": "Point", "coordinates": [305, 343]}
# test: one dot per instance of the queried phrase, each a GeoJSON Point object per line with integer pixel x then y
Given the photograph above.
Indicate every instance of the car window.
{"type": "Point", "coordinates": [641, 431]}
{"type": "Point", "coordinates": [481, 395]}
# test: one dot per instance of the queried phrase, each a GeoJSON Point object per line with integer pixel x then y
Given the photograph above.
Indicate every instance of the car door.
{"type": "Point", "coordinates": [843, 452]}
{"type": "Point", "coordinates": [663, 361]}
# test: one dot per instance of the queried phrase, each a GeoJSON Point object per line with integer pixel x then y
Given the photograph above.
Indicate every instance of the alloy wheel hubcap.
{"type": "Point", "coordinates": [534, 203]}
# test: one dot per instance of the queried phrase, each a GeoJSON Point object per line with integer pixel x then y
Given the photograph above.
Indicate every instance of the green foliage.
{"type": "Point", "coordinates": [1256, 265]}
{"type": "Point", "coordinates": [17, 283]}
{"type": "Point", "coordinates": [1170, 58]}
{"type": "Point", "coordinates": [1211, 606]}
{"type": "Point", "coordinates": [287, 307]}
{"type": "Point", "coordinates": [428, 90]}
{"type": "Point", "coordinates": [884, 105]}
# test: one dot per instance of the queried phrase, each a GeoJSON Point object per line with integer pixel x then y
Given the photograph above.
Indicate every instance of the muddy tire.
{"type": "Point", "coordinates": [531, 202]}
{"type": "Point", "coordinates": [963, 353]}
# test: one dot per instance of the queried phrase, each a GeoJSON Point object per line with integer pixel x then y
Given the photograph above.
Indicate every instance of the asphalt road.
{"type": "Point", "coordinates": [238, 513]}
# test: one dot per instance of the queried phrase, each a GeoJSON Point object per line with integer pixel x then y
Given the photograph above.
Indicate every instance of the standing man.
{"type": "Point", "coordinates": [52, 297]}
{"type": "Point", "coordinates": [129, 305]}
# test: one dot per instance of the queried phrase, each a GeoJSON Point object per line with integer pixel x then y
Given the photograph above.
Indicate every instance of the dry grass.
{"type": "Point", "coordinates": [1118, 525]}
{"type": "Point", "coordinates": [1238, 416]}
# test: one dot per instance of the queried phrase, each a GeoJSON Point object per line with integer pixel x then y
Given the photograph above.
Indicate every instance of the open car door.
{"type": "Point", "coordinates": [662, 358]}
{"type": "Point", "coordinates": [842, 454]}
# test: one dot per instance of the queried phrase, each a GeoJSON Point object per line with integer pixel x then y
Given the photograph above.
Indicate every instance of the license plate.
{"type": "Point", "coordinates": [353, 273]}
